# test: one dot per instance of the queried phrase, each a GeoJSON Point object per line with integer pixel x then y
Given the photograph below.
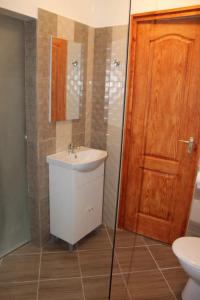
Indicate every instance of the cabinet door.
{"type": "Point", "coordinates": [89, 203]}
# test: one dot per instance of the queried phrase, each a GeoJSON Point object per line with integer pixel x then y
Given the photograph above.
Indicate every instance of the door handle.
{"type": "Point", "coordinates": [190, 144]}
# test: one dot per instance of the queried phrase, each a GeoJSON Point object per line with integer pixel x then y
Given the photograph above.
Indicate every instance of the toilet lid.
{"type": "Point", "coordinates": [188, 249]}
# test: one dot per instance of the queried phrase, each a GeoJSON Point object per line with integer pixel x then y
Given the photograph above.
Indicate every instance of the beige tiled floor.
{"type": "Point", "coordinates": [144, 269]}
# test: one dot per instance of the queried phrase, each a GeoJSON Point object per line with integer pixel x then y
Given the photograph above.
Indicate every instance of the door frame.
{"type": "Point", "coordinates": [183, 12]}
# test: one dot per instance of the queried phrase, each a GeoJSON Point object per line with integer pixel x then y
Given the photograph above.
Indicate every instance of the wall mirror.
{"type": "Point", "coordinates": [66, 79]}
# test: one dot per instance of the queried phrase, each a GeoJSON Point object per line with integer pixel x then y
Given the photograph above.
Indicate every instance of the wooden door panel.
{"type": "Point", "coordinates": [146, 225]}
{"type": "Point", "coordinates": [164, 91]}
{"type": "Point", "coordinates": [157, 202]}
{"type": "Point", "coordinates": [166, 95]}
{"type": "Point", "coordinates": [159, 164]}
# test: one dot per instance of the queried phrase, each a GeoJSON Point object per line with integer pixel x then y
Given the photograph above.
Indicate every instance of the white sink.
{"type": "Point", "coordinates": [84, 159]}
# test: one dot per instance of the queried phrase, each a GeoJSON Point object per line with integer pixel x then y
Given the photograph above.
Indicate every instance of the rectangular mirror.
{"type": "Point", "coordinates": [74, 80]}
{"type": "Point", "coordinates": [66, 80]}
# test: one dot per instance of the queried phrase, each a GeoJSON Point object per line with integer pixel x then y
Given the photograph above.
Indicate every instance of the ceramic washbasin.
{"type": "Point", "coordinates": [84, 159]}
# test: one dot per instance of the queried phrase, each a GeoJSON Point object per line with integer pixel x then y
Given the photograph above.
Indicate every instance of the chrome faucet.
{"type": "Point", "coordinates": [72, 148]}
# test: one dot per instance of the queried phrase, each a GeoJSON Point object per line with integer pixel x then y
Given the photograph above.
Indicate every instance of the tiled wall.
{"type": "Point", "coordinates": [102, 98]}
{"type": "Point", "coordinates": [55, 137]}
{"type": "Point", "coordinates": [78, 126]}
{"type": "Point", "coordinates": [108, 102]}
{"type": "Point", "coordinates": [89, 88]}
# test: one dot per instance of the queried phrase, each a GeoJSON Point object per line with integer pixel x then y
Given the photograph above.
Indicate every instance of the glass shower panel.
{"type": "Point", "coordinates": [154, 201]}
{"type": "Point", "coordinates": [108, 86]}
{"type": "Point", "coordinates": [14, 220]}
{"type": "Point", "coordinates": [116, 74]}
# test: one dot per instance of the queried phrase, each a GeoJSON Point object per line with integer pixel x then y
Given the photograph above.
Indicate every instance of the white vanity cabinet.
{"type": "Point", "coordinates": [76, 195]}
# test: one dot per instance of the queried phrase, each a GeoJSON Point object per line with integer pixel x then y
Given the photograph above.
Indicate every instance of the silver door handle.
{"type": "Point", "coordinates": [190, 144]}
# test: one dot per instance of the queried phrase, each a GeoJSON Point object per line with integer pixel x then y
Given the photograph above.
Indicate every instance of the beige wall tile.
{"type": "Point", "coordinates": [90, 61]}
{"type": "Point", "coordinates": [78, 126]}
{"type": "Point", "coordinates": [63, 135]}
{"type": "Point", "coordinates": [65, 28]}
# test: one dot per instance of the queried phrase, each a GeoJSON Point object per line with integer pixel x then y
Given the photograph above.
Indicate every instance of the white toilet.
{"type": "Point", "coordinates": [187, 250]}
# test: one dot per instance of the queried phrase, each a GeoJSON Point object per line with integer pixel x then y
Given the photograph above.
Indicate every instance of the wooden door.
{"type": "Point", "coordinates": [58, 79]}
{"type": "Point", "coordinates": [163, 108]}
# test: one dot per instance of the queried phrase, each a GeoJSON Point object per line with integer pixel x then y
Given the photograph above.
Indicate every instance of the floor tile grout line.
{"type": "Point", "coordinates": [64, 278]}
{"type": "Point", "coordinates": [156, 244]}
{"type": "Point", "coordinates": [98, 276]}
{"type": "Point", "coordinates": [135, 246]}
{"type": "Point", "coordinates": [82, 250]}
{"type": "Point", "coordinates": [137, 272]}
{"type": "Point", "coordinates": [39, 272]}
{"type": "Point", "coordinates": [167, 283]}
{"type": "Point", "coordinates": [57, 252]}
{"type": "Point", "coordinates": [81, 275]}
{"type": "Point", "coordinates": [93, 249]}
{"type": "Point", "coordinates": [84, 277]}
{"type": "Point", "coordinates": [115, 256]}
{"type": "Point", "coordinates": [153, 244]}
{"type": "Point", "coordinates": [19, 282]}
{"type": "Point", "coordinates": [24, 254]}
{"type": "Point", "coordinates": [170, 268]}
{"type": "Point", "coordinates": [123, 278]}
{"type": "Point", "coordinates": [56, 279]}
